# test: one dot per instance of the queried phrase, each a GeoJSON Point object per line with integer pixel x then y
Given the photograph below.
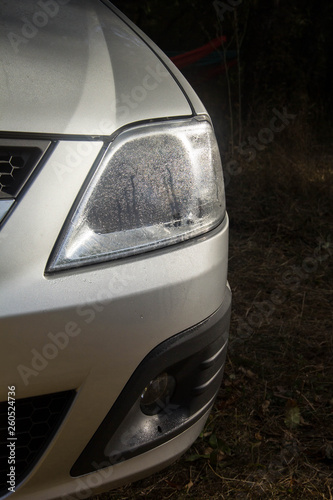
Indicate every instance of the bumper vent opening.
{"type": "Point", "coordinates": [37, 420]}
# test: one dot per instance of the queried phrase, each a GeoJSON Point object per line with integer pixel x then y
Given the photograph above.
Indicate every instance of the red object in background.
{"type": "Point", "coordinates": [221, 68]}
{"type": "Point", "coordinates": [195, 55]}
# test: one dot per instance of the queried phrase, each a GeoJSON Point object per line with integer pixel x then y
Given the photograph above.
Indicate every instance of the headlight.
{"type": "Point", "coordinates": [156, 185]}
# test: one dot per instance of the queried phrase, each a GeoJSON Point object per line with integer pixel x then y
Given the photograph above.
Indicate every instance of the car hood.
{"type": "Point", "coordinates": [75, 67]}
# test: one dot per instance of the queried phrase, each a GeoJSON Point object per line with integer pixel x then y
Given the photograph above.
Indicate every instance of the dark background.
{"type": "Point", "coordinates": [284, 49]}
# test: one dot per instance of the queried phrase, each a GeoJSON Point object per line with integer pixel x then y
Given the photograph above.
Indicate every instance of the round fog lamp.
{"type": "Point", "coordinates": [157, 394]}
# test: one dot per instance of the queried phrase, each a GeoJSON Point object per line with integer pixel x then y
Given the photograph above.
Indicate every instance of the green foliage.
{"type": "Point", "coordinates": [215, 449]}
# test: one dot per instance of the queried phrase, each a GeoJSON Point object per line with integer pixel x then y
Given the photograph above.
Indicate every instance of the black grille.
{"type": "Point", "coordinates": [37, 420]}
{"type": "Point", "coordinates": [16, 166]}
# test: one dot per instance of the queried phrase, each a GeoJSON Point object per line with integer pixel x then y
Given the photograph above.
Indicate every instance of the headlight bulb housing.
{"type": "Point", "coordinates": [156, 185]}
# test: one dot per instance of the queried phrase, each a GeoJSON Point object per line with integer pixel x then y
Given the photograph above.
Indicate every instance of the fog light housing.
{"type": "Point", "coordinates": [157, 394]}
{"type": "Point", "coordinates": [194, 359]}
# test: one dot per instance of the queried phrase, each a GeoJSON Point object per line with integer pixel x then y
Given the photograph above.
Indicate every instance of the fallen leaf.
{"type": "Point", "coordinates": [213, 441]}
{"type": "Point", "coordinates": [265, 406]}
{"type": "Point", "coordinates": [208, 451]}
{"type": "Point", "coordinates": [195, 457]}
{"type": "Point", "coordinates": [293, 414]}
{"type": "Point", "coordinates": [189, 486]}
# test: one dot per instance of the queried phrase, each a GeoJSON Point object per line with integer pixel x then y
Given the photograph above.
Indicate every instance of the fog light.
{"type": "Point", "coordinates": [157, 394]}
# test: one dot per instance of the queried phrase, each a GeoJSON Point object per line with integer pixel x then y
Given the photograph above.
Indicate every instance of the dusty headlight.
{"type": "Point", "coordinates": [156, 185]}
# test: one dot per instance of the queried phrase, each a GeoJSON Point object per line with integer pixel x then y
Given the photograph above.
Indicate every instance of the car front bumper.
{"type": "Point", "coordinates": [178, 425]}
{"type": "Point", "coordinates": [88, 331]}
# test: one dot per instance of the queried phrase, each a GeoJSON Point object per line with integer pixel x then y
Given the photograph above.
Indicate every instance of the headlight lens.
{"type": "Point", "coordinates": [156, 185]}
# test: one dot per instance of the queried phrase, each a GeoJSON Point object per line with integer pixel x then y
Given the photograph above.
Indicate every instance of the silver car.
{"type": "Point", "coordinates": [114, 301]}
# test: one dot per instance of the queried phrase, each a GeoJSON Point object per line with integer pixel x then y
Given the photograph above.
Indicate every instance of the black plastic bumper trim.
{"type": "Point", "coordinates": [195, 358]}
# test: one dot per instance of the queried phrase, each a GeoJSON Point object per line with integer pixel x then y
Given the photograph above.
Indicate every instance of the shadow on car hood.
{"type": "Point", "coordinates": [74, 67]}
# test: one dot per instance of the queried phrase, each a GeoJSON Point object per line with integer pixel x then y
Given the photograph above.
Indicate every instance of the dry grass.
{"type": "Point", "coordinates": [270, 434]}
